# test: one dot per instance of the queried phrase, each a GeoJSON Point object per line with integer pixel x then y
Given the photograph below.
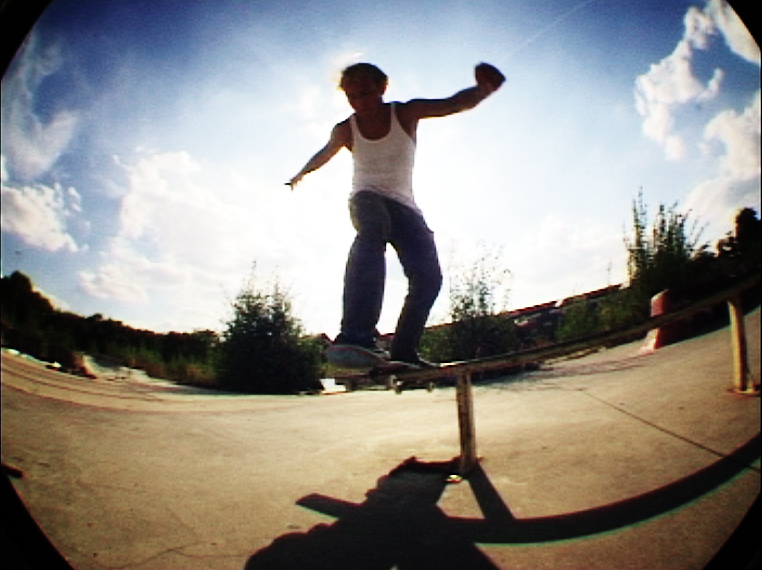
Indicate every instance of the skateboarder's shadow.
{"type": "Point", "coordinates": [399, 526]}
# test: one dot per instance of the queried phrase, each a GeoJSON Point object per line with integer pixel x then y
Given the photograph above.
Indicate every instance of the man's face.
{"type": "Point", "coordinates": [363, 93]}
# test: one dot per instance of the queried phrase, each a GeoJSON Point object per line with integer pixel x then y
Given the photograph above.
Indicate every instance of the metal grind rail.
{"type": "Point", "coordinates": [743, 383]}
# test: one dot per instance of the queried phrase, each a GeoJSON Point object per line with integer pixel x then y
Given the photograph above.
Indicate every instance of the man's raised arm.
{"type": "Point", "coordinates": [340, 137]}
{"type": "Point", "coordinates": [488, 80]}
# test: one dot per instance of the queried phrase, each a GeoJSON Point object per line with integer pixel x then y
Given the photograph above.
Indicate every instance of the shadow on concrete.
{"type": "Point", "coordinates": [23, 544]}
{"type": "Point", "coordinates": [399, 524]}
{"type": "Point", "coordinates": [605, 518]}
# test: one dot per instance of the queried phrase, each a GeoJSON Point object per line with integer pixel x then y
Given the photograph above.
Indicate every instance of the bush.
{"type": "Point", "coordinates": [478, 292]}
{"type": "Point", "coordinates": [196, 375]}
{"type": "Point", "coordinates": [665, 258]}
{"type": "Point", "coordinates": [579, 320]}
{"type": "Point", "coordinates": [263, 350]}
{"type": "Point", "coordinates": [621, 309]}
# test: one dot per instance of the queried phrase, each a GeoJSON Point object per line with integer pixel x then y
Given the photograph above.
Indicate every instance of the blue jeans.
{"type": "Point", "coordinates": [378, 221]}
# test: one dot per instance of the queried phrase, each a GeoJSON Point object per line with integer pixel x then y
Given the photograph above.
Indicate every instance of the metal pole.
{"type": "Point", "coordinates": [742, 379]}
{"type": "Point", "coordinates": [466, 423]}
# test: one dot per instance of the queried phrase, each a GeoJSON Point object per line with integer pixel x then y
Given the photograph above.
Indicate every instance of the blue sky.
{"type": "Point", "coordinates": [145, 144]}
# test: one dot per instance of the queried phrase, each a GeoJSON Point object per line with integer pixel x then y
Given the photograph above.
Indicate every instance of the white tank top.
{"type": "Point", "coordinates": [384, 166]}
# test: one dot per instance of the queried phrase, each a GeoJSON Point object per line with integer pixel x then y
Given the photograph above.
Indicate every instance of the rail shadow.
{"type": "Point", "coordinates": [400, 525]}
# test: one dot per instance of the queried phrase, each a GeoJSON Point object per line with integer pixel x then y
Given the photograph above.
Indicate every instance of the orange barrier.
{"type": "Point", "coordinates": [661, 304]}
{"type": "Point", "coordinates": [656, 338]}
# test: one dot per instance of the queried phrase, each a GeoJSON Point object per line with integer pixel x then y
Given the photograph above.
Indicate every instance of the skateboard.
{"type": "Point", "coordinates": [349, 356]}
{"type": "Point", "coordinates": [373, 367]}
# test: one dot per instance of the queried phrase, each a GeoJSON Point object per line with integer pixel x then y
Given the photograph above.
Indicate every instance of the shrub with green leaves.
{"type": "Point", "coordinates": [263, 349]}
{"type": "Point", "coordinates": [478, 292]}
{"type": "Point", "coordinates": [662, 258]}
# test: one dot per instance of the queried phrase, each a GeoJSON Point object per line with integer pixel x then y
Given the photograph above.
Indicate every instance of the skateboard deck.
{"type": "Point", "coordinates": [372, 369]}
{"type": "Point", "coordinates": [348, 356]}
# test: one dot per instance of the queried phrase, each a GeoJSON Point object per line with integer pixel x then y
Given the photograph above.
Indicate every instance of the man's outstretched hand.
{"type": "Point", "coordinates": [294, 181]}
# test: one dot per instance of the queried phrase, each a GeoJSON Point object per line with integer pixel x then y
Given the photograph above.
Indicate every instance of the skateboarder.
{"type": "Point", "coordinates": [382, 139]}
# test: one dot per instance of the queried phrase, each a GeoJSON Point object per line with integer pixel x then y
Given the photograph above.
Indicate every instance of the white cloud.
{"type": "Point", "coordinates": [736, 34]}
{"type": "Point", "coordinates": [32, 144]}
{"type": "Point", "coordinates": [699, 26]}
{"type": "Point", "coordinates": [112, 281]}
{"type": "Point", "coordinates": [189, 232]}
{"type": "Point", "coordinates": [319, 107]}
{"type": "Point", "coordinates": [674, 147]}
{"type": "Point", "coordinates": [75, 200]}
{"type": "Point", "coordinates": [671, 83]}
{"type": "Point", "coordinates": [737, 181]}
{"type": "Point", "coordinates": [739, 134]}
{"type": "Point", "coordinates": [37, 214]}
{"type": "Point", "coordinates": [563, 257]}
{"type": "Point", "coordinates": [168, 226]}
{"type": "Point", "coordinates": [730, 139]}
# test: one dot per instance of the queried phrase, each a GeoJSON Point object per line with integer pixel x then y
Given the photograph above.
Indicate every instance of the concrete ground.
{"type": "Point", "coordinates": [611, 461]}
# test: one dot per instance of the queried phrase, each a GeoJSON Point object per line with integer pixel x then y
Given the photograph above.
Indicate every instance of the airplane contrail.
{"type": "Point", "coordinates": [548, 27]}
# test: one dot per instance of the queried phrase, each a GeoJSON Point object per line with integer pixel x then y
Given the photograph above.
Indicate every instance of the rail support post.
{"type": "Point", "coordinates": [466, 424]}
{"type": "Point", "coordinates": [743, 382]}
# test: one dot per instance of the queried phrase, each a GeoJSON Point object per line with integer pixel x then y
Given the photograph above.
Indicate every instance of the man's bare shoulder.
{"type": "Point", "coordinates": [342, 133]}
{"type": "Point", "coordinates": [406, 107]}
{"type": "Point", "coordinates": [343, 127]}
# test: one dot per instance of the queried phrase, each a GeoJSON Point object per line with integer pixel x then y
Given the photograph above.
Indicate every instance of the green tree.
{"type": "Point", "coordinates": [579, 319]}
{"type": "Point", "coordinates": [662, 258]}
{"type": "Point", "coordinates": [478, 293]}
{"type": "Point", "coordinates": [620, 309]}
{"type": "Point", "coordinates": [31, 324]}
{"type": "Point", "coordinates": [23, 307]}
{"type": "Point", "coordinates": [263, 349]}
{"type": "Point", "coordinates": [741, 253]}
